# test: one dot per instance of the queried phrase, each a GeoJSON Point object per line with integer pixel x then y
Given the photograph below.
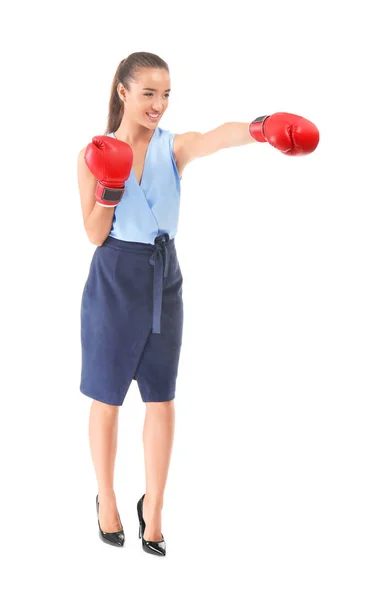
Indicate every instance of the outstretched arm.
{"type": "Point", "coordinates": [289, 133]}
{"type": "Point", "coordinates": [192, 145]}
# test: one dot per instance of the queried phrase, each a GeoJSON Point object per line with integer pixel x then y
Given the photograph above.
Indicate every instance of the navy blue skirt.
{"type": "Point", "coordinates": [132, 321]}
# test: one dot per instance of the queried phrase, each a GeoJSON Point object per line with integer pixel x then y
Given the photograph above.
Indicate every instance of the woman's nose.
{"type": "Point", "coordinates": [158, 106]}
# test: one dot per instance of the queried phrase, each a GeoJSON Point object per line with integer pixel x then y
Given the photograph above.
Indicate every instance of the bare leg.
{"type": "Point", "coordinates": [158, 437]}
{"type": "Point", "coordinates": [103, 436]}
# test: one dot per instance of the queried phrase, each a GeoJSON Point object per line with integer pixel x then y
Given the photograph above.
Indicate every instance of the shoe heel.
{"type": "Point", "coordinates": [115, 538]}
{"type": "Point", "coordinates": [156, 548]}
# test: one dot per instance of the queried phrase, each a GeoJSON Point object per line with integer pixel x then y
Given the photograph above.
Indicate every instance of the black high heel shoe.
{"type": "Point", "coordinates": [158, 548]}
{"type": "Point", "coordinates": [115, 538]}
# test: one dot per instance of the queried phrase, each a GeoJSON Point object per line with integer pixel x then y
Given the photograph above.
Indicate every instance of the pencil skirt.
{"type": "Point", "coordinates": [132, 321]}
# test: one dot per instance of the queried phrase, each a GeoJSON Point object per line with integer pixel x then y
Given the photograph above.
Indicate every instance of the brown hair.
{"type": "Point", "coordinates": [125, 73]}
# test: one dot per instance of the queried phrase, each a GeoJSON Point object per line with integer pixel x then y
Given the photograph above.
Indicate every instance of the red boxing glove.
{"type": "Point", "coordinates": [291, 134]}
{"type": "Point", "coordinates": [110, 161]}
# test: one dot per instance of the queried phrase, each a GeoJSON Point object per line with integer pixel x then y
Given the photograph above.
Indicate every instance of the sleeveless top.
{"type": "Point", "coordinates": [151, 208]}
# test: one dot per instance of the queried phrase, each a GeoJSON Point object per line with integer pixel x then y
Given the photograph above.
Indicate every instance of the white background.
{"type": "Point", "coordinates": [272, 486]}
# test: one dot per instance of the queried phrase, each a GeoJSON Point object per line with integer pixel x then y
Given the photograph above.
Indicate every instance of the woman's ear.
{"type": "Point", "coordinates": [121, 92]}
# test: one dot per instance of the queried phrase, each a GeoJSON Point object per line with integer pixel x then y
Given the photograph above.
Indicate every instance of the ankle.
{"type": "Point", "coordinates": [153, 503]}
{"type": "Point", "coordinates": [106, 495]}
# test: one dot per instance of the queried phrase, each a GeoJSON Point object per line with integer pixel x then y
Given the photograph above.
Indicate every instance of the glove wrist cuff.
{"type": "Point", "coordinates": [256, 129]}
{"type": "Point", "coordinates": [107, 196]}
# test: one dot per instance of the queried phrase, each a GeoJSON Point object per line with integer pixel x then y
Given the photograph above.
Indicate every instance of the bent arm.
{"type": "Point", "coordinates": [97, 219]}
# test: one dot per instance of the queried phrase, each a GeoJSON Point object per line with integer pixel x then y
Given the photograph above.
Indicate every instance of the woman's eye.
{"type": "Point", "coordinates": [150, 94]}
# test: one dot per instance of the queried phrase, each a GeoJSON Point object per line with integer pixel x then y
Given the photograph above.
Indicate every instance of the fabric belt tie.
{"type": "Point", "coordinates": [159, 274]}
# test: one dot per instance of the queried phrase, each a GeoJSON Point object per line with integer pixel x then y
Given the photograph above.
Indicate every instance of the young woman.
{"type": "Point", "coordinates": [132, 307]}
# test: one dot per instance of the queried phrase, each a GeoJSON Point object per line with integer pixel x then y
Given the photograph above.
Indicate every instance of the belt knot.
{"type": "Point", "coordinates": [157, 260]}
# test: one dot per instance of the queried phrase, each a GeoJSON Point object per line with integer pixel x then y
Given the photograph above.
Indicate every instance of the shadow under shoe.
{"type": "Point", "coordinates": [157, 548]}
{"type": "Point", "coordinates": [115, 538]}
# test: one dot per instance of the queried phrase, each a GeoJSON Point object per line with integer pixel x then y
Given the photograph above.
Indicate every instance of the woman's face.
{"type": "Point", "coordinates": [148, 98]}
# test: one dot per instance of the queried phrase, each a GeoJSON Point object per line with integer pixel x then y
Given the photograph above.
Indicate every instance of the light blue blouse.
{"type": "Point", "coordinates": [151, 208]}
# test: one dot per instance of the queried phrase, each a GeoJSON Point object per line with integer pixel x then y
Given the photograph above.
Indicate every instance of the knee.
{"type": "Point", "coordinates": [164, 407]}
{"type": "Point", "coordinates": [104, 408]}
